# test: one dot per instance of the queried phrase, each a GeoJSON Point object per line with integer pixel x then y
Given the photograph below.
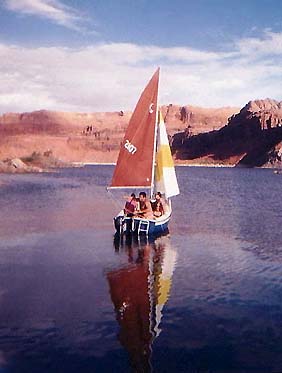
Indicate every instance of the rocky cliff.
{"type": "Point", "coordinates": [250, 138]}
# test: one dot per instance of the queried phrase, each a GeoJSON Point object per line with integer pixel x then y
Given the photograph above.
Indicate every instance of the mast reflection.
{"type": "Point", "coordinates": [139, 291]}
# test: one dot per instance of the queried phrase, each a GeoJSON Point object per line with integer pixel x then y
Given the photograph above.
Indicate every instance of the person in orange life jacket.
{"type": "Point", "coordinates": [158, 207]}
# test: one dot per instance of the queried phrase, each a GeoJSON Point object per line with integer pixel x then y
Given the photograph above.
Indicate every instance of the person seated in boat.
{"type": "Point", "coordinates": [145, 208]}
{"type": "Point", "coordinates": [157, 205]}
{"type": "Point", "coordinates": [130, 205]}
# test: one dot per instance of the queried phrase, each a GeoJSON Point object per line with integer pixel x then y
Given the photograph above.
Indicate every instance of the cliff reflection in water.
{"type": "Point", "coordinates": [139, 291]}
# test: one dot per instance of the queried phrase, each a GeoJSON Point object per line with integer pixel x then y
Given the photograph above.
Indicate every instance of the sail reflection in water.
{"type": "Point", "coordinates": [139, 291]}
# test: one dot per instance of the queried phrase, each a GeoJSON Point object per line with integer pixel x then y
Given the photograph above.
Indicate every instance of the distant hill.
{"type": "Point", "coordinates": [248, 137]}
{"type": "Point", "coordinates": [92, 137]}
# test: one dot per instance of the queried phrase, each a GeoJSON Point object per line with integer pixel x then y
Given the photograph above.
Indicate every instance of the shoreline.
{"type": "Point", "coordinates": [82, 164]}
{"type": "Point", "coordinates": [44, 169]}
{"type": "Point", "coordinates": [216, 165]}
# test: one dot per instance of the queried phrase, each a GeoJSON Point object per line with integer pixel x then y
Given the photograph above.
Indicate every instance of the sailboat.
{"type": "Point", "coordinates": [145, 162]}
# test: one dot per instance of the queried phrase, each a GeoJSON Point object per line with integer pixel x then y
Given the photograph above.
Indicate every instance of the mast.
{"type": "Point", "coordinates": [155, 147]}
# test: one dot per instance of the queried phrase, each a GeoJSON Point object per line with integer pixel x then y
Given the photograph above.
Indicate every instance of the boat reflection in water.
{"type": "Point", "coordinates": [139, 291]}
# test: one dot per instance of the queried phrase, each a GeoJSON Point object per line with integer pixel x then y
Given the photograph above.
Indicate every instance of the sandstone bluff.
{"type": "Point", "coordinates": [43, 139]}
{"type": "Point", "coordinates": [251, 138]}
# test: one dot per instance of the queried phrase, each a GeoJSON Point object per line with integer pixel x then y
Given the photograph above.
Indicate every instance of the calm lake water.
{"type": "Point", "coordinates": [205, 298]}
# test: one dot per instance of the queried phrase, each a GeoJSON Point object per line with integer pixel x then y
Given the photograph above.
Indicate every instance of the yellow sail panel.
{"type": "Point", "coordinates": [165, 177]}
{"type": "Point", "coordinates": [164, 158]}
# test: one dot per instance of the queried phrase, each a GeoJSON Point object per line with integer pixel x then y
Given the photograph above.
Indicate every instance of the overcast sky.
{"type": "Point", "coordinates": [97, 55]}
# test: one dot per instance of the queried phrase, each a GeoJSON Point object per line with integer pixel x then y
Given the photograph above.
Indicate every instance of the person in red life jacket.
{"type": "Point", "coordinates": [130, 205]}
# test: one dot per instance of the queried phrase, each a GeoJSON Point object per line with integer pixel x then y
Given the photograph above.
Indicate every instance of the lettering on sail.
{"type": "Point", "coordinates": [130, 147]}
{"type": "Point", "coordinates": [151, 108]}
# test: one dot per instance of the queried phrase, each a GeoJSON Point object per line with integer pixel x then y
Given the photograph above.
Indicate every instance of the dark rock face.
{"type": "Point", "coordinates": [250, 138]}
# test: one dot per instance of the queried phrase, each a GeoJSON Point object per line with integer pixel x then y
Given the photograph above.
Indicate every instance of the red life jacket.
{"type": "Point", "coordinates": [129, 206]}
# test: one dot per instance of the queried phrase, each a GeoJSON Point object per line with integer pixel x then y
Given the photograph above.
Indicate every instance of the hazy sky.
{"type": "Point", "coordinates": [97, 55]}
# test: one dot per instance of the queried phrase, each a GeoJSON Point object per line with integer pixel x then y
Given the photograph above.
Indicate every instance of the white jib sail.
{"type": "Point", "coordinates": [165, 177]}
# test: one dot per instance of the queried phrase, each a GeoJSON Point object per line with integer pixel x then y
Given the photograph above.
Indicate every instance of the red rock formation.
{"type": "Point", "coordinates": [89, 137]}
{"type": "Point", "coordinates": [197, 119]}
{"type": "Point", "coordinates": [250, 138]}
{"type": "Point", "coordinates": [265, 113]}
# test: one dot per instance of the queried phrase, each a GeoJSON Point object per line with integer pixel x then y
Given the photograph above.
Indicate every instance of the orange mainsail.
{"type": "Point", "coordinates": [134, 166]}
